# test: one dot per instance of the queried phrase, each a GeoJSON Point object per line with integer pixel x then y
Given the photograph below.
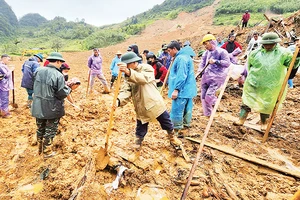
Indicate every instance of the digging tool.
{"type": "Point", "coordinates": [166, 79]}
{"type": "Point", "coordinates": [280, 95]}
{"type": "Point", "coordinates": [88, 85]}
{"type": "Point", "coordinates": [200, 73]}
{"type": "Point", "coordinates": [102, 158]}
{"type": "Point", "coordinates": [73, 105]}
{"type": "Point", "coordinates": [13, 91]}
{"type": "Point", "coordinates": [184, 194]}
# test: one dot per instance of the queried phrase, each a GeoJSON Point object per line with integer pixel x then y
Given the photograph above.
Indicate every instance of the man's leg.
{"type": "Point", "coordinates": [210, 97]}
{"type": "Point", "coordinates": [140, 132]}
{"type": "Point", "coordinates": [263, 120]}
{"type": "Point", "coordinates": [243, 115]}
{"type": "Point", "coordinates": [166, 124]}
{"type": "Point", "coordinates": [177, 112]}
{"type": "Point", "coordinates": [113, 78]}
{"type": "Point", "coordinates": [92, 81]}
{"type": "Point", "coordinates": [187, 117]}
{"type": "Point", "coordinates": [204, 87]}
{"type": "Point", "coordinates": [4, 96]}
{"type": "Point", "coordinates": [41, 127]}
{"type": "Point", "coordinates": [50, 132]}
{"type": "Point", "coordinates": [104, 83]}
{"type": "Point", "coordinates": [30, 98]}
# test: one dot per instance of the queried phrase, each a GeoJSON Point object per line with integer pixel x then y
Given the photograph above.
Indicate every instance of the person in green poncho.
{"type": "Point", "coordinates": [267, 67]}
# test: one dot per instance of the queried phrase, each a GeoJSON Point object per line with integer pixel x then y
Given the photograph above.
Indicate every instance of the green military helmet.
{"type": "Point", "coordinates": [270, 38]}
{"type": "Point", "coordinates": [130, 57]}
{"type": "Point", "coordinates": [201, 52]}
{"type": "Point", "coordinates": [55, 56]}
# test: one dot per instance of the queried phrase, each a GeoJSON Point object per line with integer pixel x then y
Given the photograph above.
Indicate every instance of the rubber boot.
{"type": "Point", "coordinates": [106, 89]}
{"type": "Point", "coordinates": [242, 118]}
{"type": "Point", "coordinates": [174, 141]}
{"type": "Point", "coordinates": [48, 151]}
{"type": "Point", "coordinates": [40, 145]}
{"type": "Point", "coordinates": [264, 121]}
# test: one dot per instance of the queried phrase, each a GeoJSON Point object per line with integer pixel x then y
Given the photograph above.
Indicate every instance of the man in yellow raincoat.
{"type": "Point", "coordinates": [267, 67]}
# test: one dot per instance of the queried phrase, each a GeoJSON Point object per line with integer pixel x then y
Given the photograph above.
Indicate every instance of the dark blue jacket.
{"type": "Point", "coordinates": [28, 69]}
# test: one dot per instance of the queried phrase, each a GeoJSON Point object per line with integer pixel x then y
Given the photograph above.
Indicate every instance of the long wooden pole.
{"type": "Point", "coordinates": [111, 116]}
{"type": "Point", "coordinates": [184, 194]}
{"type": "Point", "coordinates": [88, 85]}
{"type": "Point", "coordinates": [166, 78]}
{"type": "Point", "coordinates": [230, 151]}
{"type": "Point", "coordinates": [266, 135]}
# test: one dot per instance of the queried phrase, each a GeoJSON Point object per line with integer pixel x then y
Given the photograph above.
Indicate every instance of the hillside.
{"type": "Point", "coordinates": [37, 32]}
{"type": "Point", "coordinates": [8, 20]}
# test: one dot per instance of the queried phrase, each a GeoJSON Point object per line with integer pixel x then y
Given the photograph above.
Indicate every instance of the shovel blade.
{"type": "Point", "coordinates": [102, 159]}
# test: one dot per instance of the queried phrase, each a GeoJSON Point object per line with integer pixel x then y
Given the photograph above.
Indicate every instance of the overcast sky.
{"type": "Point", "coordinates": [97, 12]}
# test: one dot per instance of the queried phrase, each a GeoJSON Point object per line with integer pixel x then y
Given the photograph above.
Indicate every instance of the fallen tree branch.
{"type": "Point", "coordinates": [252, 159]}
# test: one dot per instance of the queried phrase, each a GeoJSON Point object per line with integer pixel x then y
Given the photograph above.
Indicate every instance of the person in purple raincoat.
{"type": "Point", "coordinates": [95, 65]}
{"type": "Point", "coordinates": [215, 74]}
{"type": "Point", "coordinates": [6, 84]}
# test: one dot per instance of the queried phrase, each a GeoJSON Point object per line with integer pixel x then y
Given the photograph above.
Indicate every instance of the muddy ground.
{"type": "Point", "coordinates": [71, 174]}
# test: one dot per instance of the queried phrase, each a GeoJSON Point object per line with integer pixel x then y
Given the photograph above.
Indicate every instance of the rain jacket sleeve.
{"type": "Point", "coordinates": [145, 77]}
{"type": "Point", "coordinates": [90, 61]}
{"type": "Point", "coordinates": [125, 94]}
{"type": "Point", "coordinates": [61, 89]}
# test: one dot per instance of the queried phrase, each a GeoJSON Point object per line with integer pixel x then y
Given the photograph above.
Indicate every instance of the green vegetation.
{"type": "Point", "coordinates": [230, 12]}
{"type": "Point", "coordinates": [33, 31]}
{"type": "Point", "coordinates": [32, 20]}
{"type": "Point", "coordinates": [8, 20]}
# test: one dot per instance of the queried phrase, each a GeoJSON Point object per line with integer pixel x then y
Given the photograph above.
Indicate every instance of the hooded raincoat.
{"type": "Point", "coordinates": [266, 72]}
{"type": "Point", "coordinates": [49, 93]}
{"type": "Point", "coordinates": [182, 78]}
{"type": "Point", "coordinates": [213, 76]}
{"type": "Point", "coordinates": [28, 69]}
{"type": "Point", "coordinates": [114, 67]}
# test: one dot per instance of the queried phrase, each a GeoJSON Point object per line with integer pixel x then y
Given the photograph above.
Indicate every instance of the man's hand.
{"type": "Point", "coordinates": [174, 94]}
{"type": "Point", "coordinates": [123, 68]}
{"type": "Point", "coordinates": [211, 61]}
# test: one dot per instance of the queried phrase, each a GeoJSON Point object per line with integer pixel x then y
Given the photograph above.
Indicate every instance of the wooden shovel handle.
{"type": "Point", "coordinates": [88, 85]}
{"type": "Point", "coordinates": [166, 78]}
{"type": "Point", "coordinates": [13, 90]}
{"type": "Point", "coordinates": [111, 116]}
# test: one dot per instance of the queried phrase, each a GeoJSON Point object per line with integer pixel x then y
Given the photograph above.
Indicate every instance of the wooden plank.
{"type": "Point", "coordinates": [230, 151]}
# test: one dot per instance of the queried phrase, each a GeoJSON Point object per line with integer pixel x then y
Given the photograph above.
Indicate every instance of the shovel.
{"type": "Point", "coordinates": [13, 91]}
{"type": "Point", "coordinates": [102, 157]}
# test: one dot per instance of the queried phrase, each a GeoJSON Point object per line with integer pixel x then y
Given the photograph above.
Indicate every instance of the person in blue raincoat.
{"type": "Point", "coordinates": [187, 48]}
{"type": "Point", "coordinates": [182, 86]}
{"type": "Point", "coordinates": [114, 68]}
{"type": "Point", "coordinates": [28, 69]}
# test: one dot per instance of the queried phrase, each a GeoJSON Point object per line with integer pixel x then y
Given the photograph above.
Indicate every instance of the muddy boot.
{"type": "Point", "coordinates": [106, 89]}
{"type": "Point", "coordinates": [242, 118]}
{"type": "Point", "coordinates": [174, 141]}
{"type": "Point", "coordinates": [264, 121]}
{"type": "Point", "coordinates": [40, 145]}
{"type": "Point", "coordinates": [138, 143]}
{"type": "Point", "coordinates": [29, 102]}
{"type": "Point", "coordinates": [48, 145]}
